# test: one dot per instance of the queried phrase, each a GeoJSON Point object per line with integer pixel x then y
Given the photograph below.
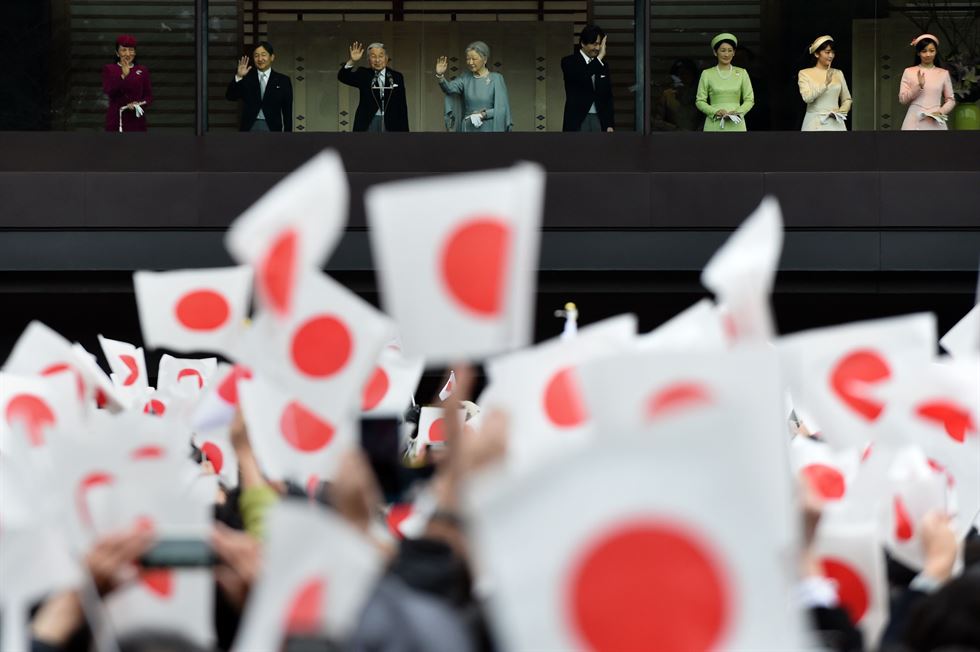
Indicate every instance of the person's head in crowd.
{"type": "Point", "coordinates": [477, 55]}
{"type": "Point", "coordinates": [949, 619]}
{"type": "Point", "coordinates": [724, 48]}
{"type": "Point", "coordinates": [377, 56]}
{"type": "Point", "coordinates": [263, 55]}
{"type": "Point", "coordinates": [590, 40]}
{"type": "Point", "coordinates": [684, 72]}
{"type": "Point", "coordinates": [927, 51]}
{"type": "Point", "coordinates": [126, 49]}
{"type": "Point", "coordinates": [822, 51]}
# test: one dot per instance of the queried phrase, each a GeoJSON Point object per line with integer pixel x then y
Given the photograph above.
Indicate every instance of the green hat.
{"type": "Point", "coordinates": [724, 36]}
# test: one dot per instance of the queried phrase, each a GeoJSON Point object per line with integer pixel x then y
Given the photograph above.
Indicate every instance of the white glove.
{"type": "Point", "coordinates": [139, 111]}
{"type": "Point", "coordinates": [834, 115]}
{"type": "Point", "coordinates": [476, 120]}
{"type": "Point", "coordinates": [730, 116]}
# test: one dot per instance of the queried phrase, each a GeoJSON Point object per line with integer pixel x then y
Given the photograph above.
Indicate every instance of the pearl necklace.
{"type": "Point", "coordinates": [724, 76]}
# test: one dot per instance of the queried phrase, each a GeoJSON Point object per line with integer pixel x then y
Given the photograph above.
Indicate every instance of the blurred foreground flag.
{"type": "Point", "coordinates": [292, 227]}
{"type": "Point", "coordinates": [963, 339]}
{"type": "Point", "coordinates": [317, 575]}
{"type": "Point", "coordinates": [194, 309]}
{"type": "Point", "coordinates": [637, 544]}
{"type": "Point", "coordinates": [217, 407]}
{"type": "Point", "coordinates": [457, 259]}
{"type": "Point", "coordinates": [742, 272]}
{"type": "Point", "coordinates": [836, 374]}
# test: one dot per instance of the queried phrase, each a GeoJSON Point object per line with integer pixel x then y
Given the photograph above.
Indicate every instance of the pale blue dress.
{"type": "Point", "coordinates": [468, 94]}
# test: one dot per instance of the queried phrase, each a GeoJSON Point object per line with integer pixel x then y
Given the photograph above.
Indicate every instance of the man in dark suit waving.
{"type": "Point", "coordinates": [266, 95]}
{"type": "Point", "coordinates": [382, 106]}
{"type": "Point", "coordinates": [588, 89]}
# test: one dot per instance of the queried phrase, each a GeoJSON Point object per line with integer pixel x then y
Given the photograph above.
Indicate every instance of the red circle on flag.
{"type": "Point", "coordinates": [277, 271]}
{"type": "Point", "coordinates": [904, 529]}
{"type": "Point", "coordinates": [827, 481]}
{"type": "Point", "coordinates": [473, 264]}
{"type": "Point", "coordinates": [648, 586]}
{"type": "Point", "coordinates": [677, 396]}
{"type": "Point", "coordinates": [191, 373]}
{"type": "Point", "coordinates": [154, 407]}
{"type": "Point", "coordinates": [437, 430]}
{"type": "Point", "coordinates": [132, 366]}
{"type": "Point", "coordinates": [93, 479]}
{"type": "Point", "coordinates": [321, 346]}
{"type": "Point", "coordinates": [33, 412]}
{"type": "Point", "coordinates": [851, 588]}
{"type": "Point", "coordinates": [202, 310]}
{"type": "Point", "coordinates": [214, 455]}
{"type": "Point", "coordinates": [303, 615]}
{"type": "Point", "coordinates": [397, 514]}
{"type": "Point", "coordinates": [563, 401]}
{"type": "Point", "coordinates": [147, 453]}
{"type": "Point", "coordinates": [375, 389]}
{"type": "Point", "coordinates": [939, 468]}
{"type": "Point", "coordinates": [851, 373]}
{"type": "Point", "coordinates": [228, 389]}
{"type": "Point", "coordinates": [303, 430]}
{"type": "Point", "coordinates": [956, 420]}
{"type": "Point", "coordinates": [158, 580]}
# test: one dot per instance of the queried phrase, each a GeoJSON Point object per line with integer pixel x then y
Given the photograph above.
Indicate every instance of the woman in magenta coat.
{"type": "Point", "coordinates": [127, 84]}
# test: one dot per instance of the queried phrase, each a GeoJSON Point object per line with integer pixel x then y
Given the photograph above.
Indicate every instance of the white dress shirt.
{"type": "Point", "coordinates": [592, 108]}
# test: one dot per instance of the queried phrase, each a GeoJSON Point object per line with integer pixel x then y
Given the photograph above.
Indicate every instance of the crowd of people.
{"type": "Point", "coordinates": [707, 485]}
{"type": "Point", "coordinates": [477, 100]}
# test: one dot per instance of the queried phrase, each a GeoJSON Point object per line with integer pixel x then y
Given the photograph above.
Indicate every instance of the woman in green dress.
{"type": "Point", "coordinates": [724, 91]}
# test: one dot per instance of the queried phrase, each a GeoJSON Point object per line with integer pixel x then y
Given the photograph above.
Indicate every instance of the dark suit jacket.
{"type": "Point", "coordinates": [580, 94]}
{"type": "Point", "coordinates": [276, 104]}
{"type": "Point", "coordinates": [395, 105]}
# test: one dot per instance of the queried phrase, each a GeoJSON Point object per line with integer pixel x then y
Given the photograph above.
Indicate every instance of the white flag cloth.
{"type": "Point", "coordinates": [126, 361]}
{"type": "Point", "coordinates": [292, 228]}
{"type": "Point", "coordinates": [742, 272]}
{"type": "Point", "coordinates": [638, 551]}
{"type": "Point", "coordinates": [36, 407]}
{"type": "Point", "coordinates": [291, 441]}
{"type": "Point", "coordinates": [457, 260]}
{"type": "Point", "coordinates": [963, 339]}
{"type": "Point", "coordinates": [448, 388]}
{"type": "Point", "coordinates": [917, 488]}
{"type": "Point", "coordinates": [697, 328]}
{"type": "Point", "coordinates": [317, 575]}
{"type": "Point", "coordinates": [432, 425]}
{"type": "Point", "coordinates": [827, 471]}
{"type": "Point", "coordinates": [194, 309]}
{"type": "Point", "coordinates": [850, 555]}
{"type": "Point", "coordinates": [540, 390]}
{"type": "Point", "coordinates": [325, 350]}
{"type": "Point", "coordinates": [166, 599]}
{"type": "Point", "coordinates": [185, 377]}
{"type": "Point", "coordinates": [391, 387]}
{"type": "Point", "coordinates": [218, 404]}
{"type": "Point", "coordinates": [835, 373]}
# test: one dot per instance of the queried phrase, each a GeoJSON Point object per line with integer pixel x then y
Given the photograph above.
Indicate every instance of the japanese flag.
{"type": "Point", "coordinates": [317, 575]}
{"type": "Point", "coordinates": [36, 407]}
{"type": "Point", "coordinates": [916, 489]}
{"type": "Point", "coordinates": [391, 387]}
{"type": "Point", "coordinates": [195, 309]}
{"type": "Point", "coordinates": [742, 272]}
{"type": "Point", "coordinates": [106, 394]}
{"type": "Point", "coordinates": [937, 409]}
{"type": "Point", "coordinates": [835, 373]}
{"type": "Point", "coordinates": [697, 328]}
{"type": "Point", "coordinates": [218, 404]}
{"type": "Point", "coordinates": [126, 361]}
{"type": "Point", "coordinates": [828, 472]}
{"type": "Point", "coordinates": [457, 259]}
{"type": "Point", "coordinates": [447, 389]}
{"type": "Point", "coordinates": [326, 349]}
{"type": "Point", "coordinates": [166, 599]}
{"type": "Point", "coordinates": [292, 228]}
{"type": "Point", "coordinates": [216, 448]}
{"type": "Point", "coordinates": [187, 377]}
{"type": "Point", "coordinates": [432, 425]}
{"type": "Point", "coordinates": [963, 339]}
{"type": "Point", "coordinates": [540, 388]}
{"type": "Point", "coordinates": [850, 555]}
{"type": "Point", "coordinates": [633, 546]}
{"type": "Point", "coordinates": [291, 441]}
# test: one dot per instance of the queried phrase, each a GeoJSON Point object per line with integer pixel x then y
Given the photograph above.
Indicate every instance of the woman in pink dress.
{"type": "Point", "coordinates": [926, 88]}
{"type": "Point", "coordinates": [127, 84]}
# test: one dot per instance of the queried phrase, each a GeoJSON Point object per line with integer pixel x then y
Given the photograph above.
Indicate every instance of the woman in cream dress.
{"type": "Point", "coordinates": [926, 88]}
{"type": "Point", "coordinates": [824, 90]}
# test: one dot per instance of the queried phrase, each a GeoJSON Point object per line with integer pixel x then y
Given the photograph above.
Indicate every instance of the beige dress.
{"type": "Point", "coordinates": [823, 99]}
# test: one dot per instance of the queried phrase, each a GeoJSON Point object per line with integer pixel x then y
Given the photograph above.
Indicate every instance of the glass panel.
{"type": "Point", "coordinates": [65, 46]}
{"type": "Point", "coordinates": [526, 40]}
{"type": "Point", "coordinates": [773, 38]}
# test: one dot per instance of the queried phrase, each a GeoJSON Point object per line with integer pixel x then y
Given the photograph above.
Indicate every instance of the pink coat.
{"type": "Point", "coordinates": [935, 97]}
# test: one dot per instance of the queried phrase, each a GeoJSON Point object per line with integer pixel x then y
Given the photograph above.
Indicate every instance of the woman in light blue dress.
{"type": "Point", "coordinates": [476, 101]}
